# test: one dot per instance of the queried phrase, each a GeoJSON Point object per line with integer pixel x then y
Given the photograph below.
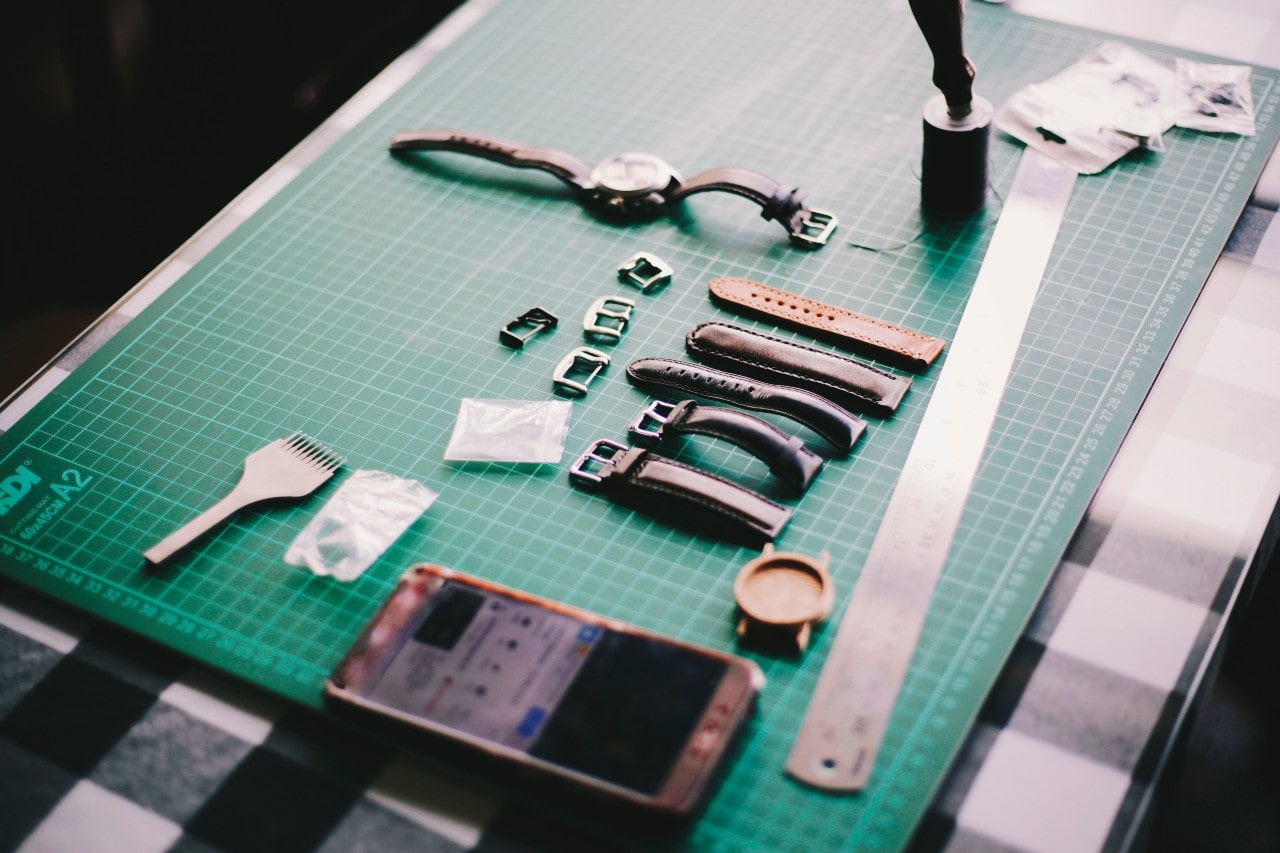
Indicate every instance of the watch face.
{"type": "Point", "coordinates": [633, 173]}
{"type": "Point", "coordinates": [631, 187]}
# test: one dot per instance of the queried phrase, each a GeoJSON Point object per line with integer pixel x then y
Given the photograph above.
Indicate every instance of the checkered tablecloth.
{"type": "Point", "coordinates": [110, 742]}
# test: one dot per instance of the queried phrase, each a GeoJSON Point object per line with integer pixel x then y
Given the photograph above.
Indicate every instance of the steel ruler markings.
{"type": "Point", "coordinates": [840, 734]}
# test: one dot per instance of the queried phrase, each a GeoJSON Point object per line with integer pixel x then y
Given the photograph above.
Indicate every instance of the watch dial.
{"type": "Point", "coordinates": [632, 173]}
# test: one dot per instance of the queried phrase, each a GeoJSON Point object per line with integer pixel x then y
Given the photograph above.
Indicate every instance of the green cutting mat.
{"type": "Point", "coordinates": [364, 301]}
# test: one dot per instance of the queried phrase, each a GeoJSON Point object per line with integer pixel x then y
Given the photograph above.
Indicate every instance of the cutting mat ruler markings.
{"type": "Point", "coordinates": [839, 737]}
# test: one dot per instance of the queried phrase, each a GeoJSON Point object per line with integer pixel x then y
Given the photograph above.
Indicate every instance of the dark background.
{"type": "Point", "coordinates": [131, 123]}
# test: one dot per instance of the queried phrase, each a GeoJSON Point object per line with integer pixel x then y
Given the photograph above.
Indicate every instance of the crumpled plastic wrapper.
{"type": "Point", "coordinates": [1097, 110]}
{"type": "Point", "coordinates": [509, 431]}
{"type": "Point", "coordinates": [358, 523]}
{"type": "Point", "coordinates": [1215, 98]}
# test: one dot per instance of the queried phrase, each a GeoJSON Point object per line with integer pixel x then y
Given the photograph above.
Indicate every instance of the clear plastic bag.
{"type": "Point", "coordinates": [368, 512]}
{"type": "Point", "coordinates": [509, 431]}
{"type": "Point", "coordinates": [1215, 98]}
{"type": "Point", "coordinates": [1091, 114]}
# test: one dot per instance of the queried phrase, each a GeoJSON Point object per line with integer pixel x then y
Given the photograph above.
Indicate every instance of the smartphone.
{"type": "Point", "coordinates": [567, 695]}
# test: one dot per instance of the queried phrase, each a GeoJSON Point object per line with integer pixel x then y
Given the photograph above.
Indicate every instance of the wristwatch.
{"type": "Point", "coordinates": [634, 186]}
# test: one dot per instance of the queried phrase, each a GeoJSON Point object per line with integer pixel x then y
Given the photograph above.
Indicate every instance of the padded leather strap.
{"type": "Point", "coordinates": [666, 376]}
{"type": "Point", "coordinates": [809, 228]}
{"type": "Point", "coordinates": [650, 483]}
{"type": "Point", "coordinates": [847, 383]}
{"type": "Point", "coordinates": [903, 346]}
{"type": "Point", "coordinates": [568, 168]}
{"type": "Point", "coordinates": [785, 455]}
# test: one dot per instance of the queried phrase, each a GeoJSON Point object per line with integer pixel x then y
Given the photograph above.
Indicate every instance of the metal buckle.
{"type": "Point", "coordinates": [657, 413]}
{"type": "Point", "coordinates": [607, 318]}
{"type": "Point", "coordinates": [583, 361]}
{"type": "Point", "coordinates": [646, 271]}
{"type": "Point", "coordinates": [535, 319]}
{"type": "Point", "coordinates": [814, 228]}
{"type": "Point", "coordinates": [602, 451]}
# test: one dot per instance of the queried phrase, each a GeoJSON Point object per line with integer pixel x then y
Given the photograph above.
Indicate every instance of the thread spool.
{"type": "Point", "coordinates": [953, 167]}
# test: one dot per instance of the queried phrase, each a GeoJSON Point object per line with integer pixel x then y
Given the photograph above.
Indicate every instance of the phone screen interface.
{"type": "Point", "coordinates": [606, 703]}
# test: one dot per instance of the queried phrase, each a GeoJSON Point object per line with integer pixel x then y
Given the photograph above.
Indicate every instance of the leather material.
{"type": "Point", "coordinates": [565, 166]}
{"type": "Point", "coordinates": [648, 482]}
{"type": "Point", "coordinates": [666, 375]}
{"type": "Point", "coordinates": [778, 203]}
{"type": "Point", "coordinates": [845, 382]}
{"type": "Point", "coordinates": [785, 455]}
{"type": "Point", "coordinates": [808, 228]}
{"type": "Point", "coordinates": [898, 344]}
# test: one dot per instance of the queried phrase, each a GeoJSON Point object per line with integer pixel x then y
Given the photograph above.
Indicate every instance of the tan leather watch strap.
{"type": "Point", "coordinates": [907, 348]}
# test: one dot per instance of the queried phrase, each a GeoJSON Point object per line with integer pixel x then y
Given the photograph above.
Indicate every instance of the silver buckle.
{"type": "Point", "coordinates": [607, 318]}
{"type": "Point", "coordinates": [815, 227]}
{"type": "Point", "coordinates": [524, 327]}
{"type": "Point", "coordinates": [583, 361]}
{"type": "Point", "coordinates": [602, 451]}
{"type": "Point", "coordinates": [658, 413]}
{"type": "Point", "coordinates": [646, 271]}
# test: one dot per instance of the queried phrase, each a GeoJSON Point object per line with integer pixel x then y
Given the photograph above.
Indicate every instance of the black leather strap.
{"type": "Point", "coordinates": [565, 166]}
{"type": "Point", "coordinates": [663, 376]}
{"type": "Point", "coordinates": [786, 455]}
{"type": "Point", "coordinates": [641, 479]}
{"type": "Point", "coordinates": [808, 228]}
{"type": "Point", "coordinates": [842, 380]}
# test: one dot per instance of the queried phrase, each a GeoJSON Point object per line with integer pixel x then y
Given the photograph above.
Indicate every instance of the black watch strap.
{"type": "Point", "coordinates": [641, 479]}
{"type": "Point", "coordinates": [844, 381]}
{"type": "Point", "coordinates": [565, 166]}
{"type": "Point", "coordinates": [808, 228]}
{"type": "Point", "coordinates": [665, 376]}
{"type": "Point", "coordinates": [785, 455]}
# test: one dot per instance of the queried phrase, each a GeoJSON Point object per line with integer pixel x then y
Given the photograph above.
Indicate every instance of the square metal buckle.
{"type": "Point", "coordinates": [602, 451]}
{"type": "Point", "coordinates": [647, 426]}
{"type": "Point", "coordinates": [524, 327]}
{"type": "Point", "coordinates": [646, 271]}
{"type": "Point", "coordinates": [607, 318]}
{"type": "Point", "coordinates": [583, 362]}
{"type": "Point", "coordinates": [814, 229]}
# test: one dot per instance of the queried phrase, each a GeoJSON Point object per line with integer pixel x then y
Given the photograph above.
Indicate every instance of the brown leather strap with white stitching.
{"type": "Point", "coordinates": [908, 348]}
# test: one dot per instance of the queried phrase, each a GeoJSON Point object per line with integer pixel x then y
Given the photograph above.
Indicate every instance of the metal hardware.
{"type": "Point", "coordinates": [840, 736]}
{"type": "Point", "coordinates": [658, 413]}
{"type": "Point", "coordinates": [607, 318]}
{"type": "Point", "coordinates": [603, 451]}
{"type": "Point", "coordinates": [781, 595]}
{"type": "Point", "coordinates": [583, 362]}
{"type": "Point", "coordinates": [286, 468]}
{"type": "Point", "coordinates": [530, 323]}
{"type": "Point", "coordinates": [646, 271]}
{"type": "Point", "coordinates": [814, 229]}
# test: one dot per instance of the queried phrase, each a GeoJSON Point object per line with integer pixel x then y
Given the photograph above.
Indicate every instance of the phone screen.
{"type": "Point", "coordinates": [614, 705]}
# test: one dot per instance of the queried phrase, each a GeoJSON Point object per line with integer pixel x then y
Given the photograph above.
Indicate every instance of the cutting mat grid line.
{"type": "Point", "coordinates": [363, 303]}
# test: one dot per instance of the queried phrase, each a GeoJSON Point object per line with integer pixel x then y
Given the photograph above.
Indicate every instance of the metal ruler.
{"type": "Point", "coordinates": [840, 735]}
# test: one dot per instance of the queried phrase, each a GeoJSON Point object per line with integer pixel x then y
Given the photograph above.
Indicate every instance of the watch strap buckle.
{"type": "Point", "coordinates": [646, 427]}
{"type": "Point", "coordinates": [810, 228]}
{"type": "Point", "coordinates": [646, 271]}
{"type": "Point", "coordinates": [576, 370]}
{"type": "Point", "coordinates": [530, 323]}
{"type": "Point", "coordinates": [607, 318]}
{"type": "Point", "coordinates": [603, 452]}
